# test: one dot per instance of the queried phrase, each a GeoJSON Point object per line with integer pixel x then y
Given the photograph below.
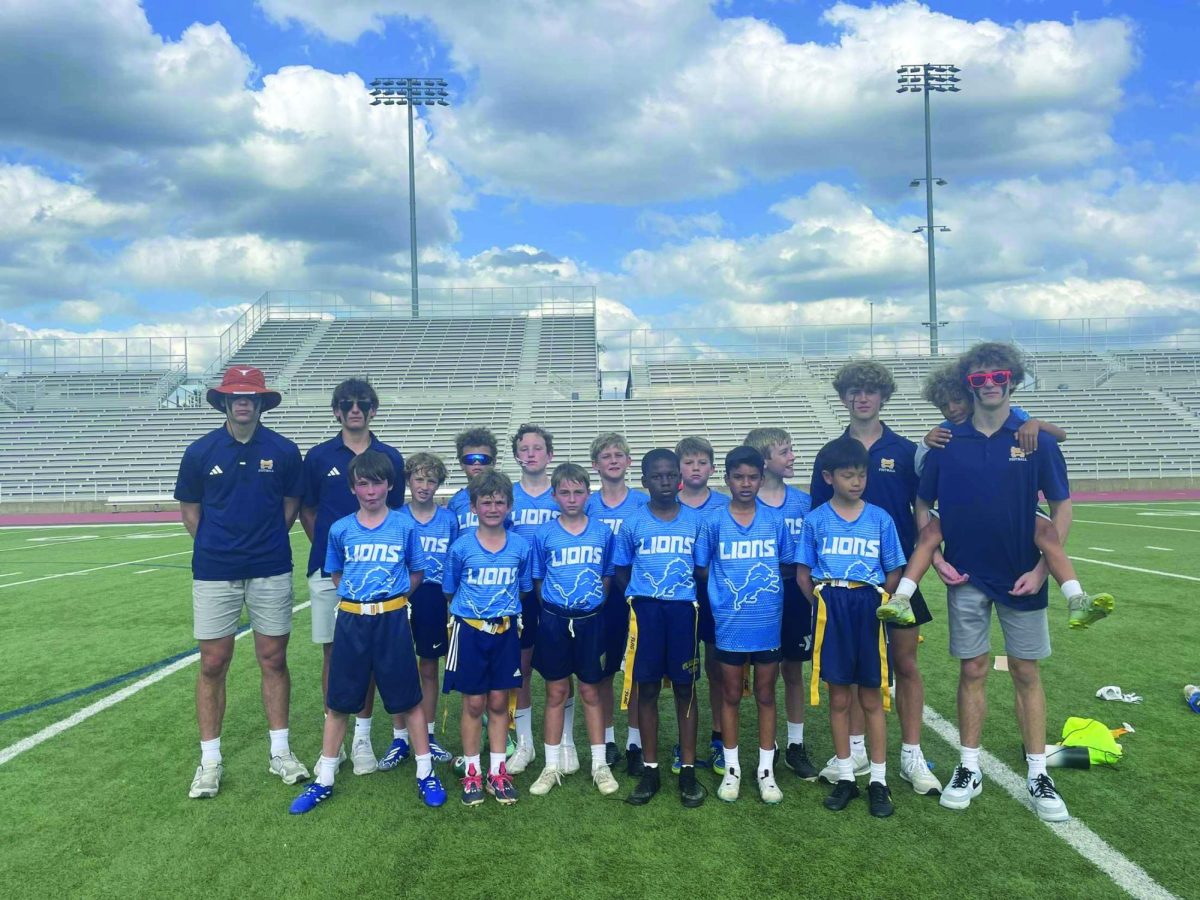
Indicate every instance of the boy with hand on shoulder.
{"type": "Point", "coordinates": [696, 464]}
{"type": "Point", "coordinates": [612, 505]}
{"type": "Point", "coordinates": [792, 505]}
{"type": "Point", "coordinates": [487, 573]}
{"type": "Point", "coordinates": [375, 560]}
{"type": "Point", "coordinates": [533, 505]}
{"type": "Point", "coordinates": [749, 555]}
{"type": "Point", "coordinates": [656, 566]}
{"type": "Point", "coordinates": [572, 566]}
{"type": "Point", "coordinates": [437, 530]}
{"type": "Point", "coordinates": [476, 454]}
{"type": "Point", "coordinates": [848, 556]}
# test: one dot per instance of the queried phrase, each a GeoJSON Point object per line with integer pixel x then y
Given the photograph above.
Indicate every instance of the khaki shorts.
{"type": "Point", "coordinates": [217, 606]}
{"type": "Point", "coordinates": [1026, 631]}
{"type": "Point", "coordinates": [324, 599]}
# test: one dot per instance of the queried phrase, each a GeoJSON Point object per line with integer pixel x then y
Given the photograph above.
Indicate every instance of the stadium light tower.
{"type": "Point", "coordinates": [926, 78]}
{"type": "Point", "coordinates": [410, 92]}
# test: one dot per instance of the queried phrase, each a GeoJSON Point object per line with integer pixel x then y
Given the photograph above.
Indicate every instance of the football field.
{"type": "Point", "coordinates": [98, 745]}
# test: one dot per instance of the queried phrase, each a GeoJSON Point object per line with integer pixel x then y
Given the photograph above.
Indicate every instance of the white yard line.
{"type": "Point", "coordinates": [1102, 549]}
{"type": "Point", "coordinates": [1168, 549]}
{"type": "Point", "coordinates": [9, 574]}
{"type": "Point", "coordinates": [14, 750]}
{"type": "Point", "coordinates": [94, 569]}
{"type": "Point", "coordinates": [144, 571]}
{"type": "Point", "coordinates": [1111, 565]}
{"type": "Point", "coordinates": [1125, 874]}
{"type": "Point", "coordinates": [1131, 525]}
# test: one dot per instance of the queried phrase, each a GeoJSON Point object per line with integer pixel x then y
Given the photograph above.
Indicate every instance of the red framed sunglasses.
{"type": "Point", "coordinates": [999, 377]}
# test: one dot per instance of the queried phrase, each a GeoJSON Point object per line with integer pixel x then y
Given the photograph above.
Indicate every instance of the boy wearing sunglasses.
{"type": "Point", "coordinates": [476, 454]}
{"type": "Point", "coordinates": [327, 498]}
{"type": "Point", "coordinates": [986, 487]}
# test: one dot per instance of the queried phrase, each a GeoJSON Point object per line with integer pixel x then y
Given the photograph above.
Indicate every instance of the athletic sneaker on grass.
{"type": "Point", "coordinates": [207, 781]}
{"type": "Point", "coordinates": [309, 798]}
{"type": "Point", "coordinates": [1087, 609]}
{"type": "Point", "coordinates": [1046, 801]}
{"type": "Point", "coordinates": [964, 787]}
{"type": "Point", "coordinates": [397, 753]}
{"type": "Point", "coordinates": [290, 769]}
{"type": "Point", "coordinates": [862, 766]}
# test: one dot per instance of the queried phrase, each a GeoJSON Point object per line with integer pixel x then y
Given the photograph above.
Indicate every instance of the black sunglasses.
{"type": "Point", "coordinates": [475, 459]}
{"type": "Point", "coordinates": [346, 405]}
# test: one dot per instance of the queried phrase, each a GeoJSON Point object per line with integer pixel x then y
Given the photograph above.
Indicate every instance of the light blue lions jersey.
{"type": "Point", "coordinates": [436, 537]}
{"type": "Point", "coordinates": [715, 500]}
{"type": "Point", "coordinates": [613, 516]}
{"type": "Point", "coordinates": [863, 550]}
{"type": "Point", "coordinates": [460, 505]}
{"type": "Point", "coordinates": [661, 554]}
{"type": "Point", "coordinates": [796, 505]}
{"type": "Point", "coordinates": [375, 562]}
{"type": "Point", "coordinates": [572, 567]}
{"type": "Point", "coordinates": [745, 587]}
{"type": "Point", "coordinates": [531, 511]}
{"type": "Point", "coordinates": [486, 585]}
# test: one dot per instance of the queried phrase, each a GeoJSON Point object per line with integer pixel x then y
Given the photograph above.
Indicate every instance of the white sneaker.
{"type": "Point", "coordinates": [549, 779]}
{"type": "Point", "coordinates": [290, 769]}
{"type": "Point", "coordinates": [862, 766]}
{"type": "Point", "coordinates": [602, 777]}
{"type": "Point", "coordinates": [964, 787]}
{"type": "Point", "coordinates": [731, 786]}
{"type": "Point", "coordinates": [570, 759]}
{"type": "Point", "coordinates": [207, 781]}
{"type": "Point", "coordinates": [768, 789]}
{"type": "Point", "coordinates": [363, 755]}
{"type": "Point", "coordinates": [916, 772]}
{"type": "Point", "coordinates": [521, 758]}
{"type": "Point", "coordinates": [1046, 802]}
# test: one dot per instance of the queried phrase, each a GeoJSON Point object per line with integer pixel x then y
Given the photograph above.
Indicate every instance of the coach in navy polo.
{"type": "Point", "coordinates": [239, 491]}
{"type": "Point", "coordinates": [987, 488]}
{"type": "Point", "coordinates": [327, 498]}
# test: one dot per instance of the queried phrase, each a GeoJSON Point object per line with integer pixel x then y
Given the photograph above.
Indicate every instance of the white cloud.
{"type": "Point", "coordinates": [212, 264]}
{"type": "Point", "coordinates": [40, 207]}
{"type": "Point", "coordinates": [1074, 298]}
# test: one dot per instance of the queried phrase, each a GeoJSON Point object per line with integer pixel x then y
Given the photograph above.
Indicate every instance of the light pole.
{"type": "Point", "coordinates": [926, 78]}
{"type": "Point", "coordinates": [410, 92]}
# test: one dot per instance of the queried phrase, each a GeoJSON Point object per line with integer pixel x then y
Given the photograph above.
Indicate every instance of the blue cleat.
{"type": "Point", "coordinates": [397, 753]}
{"type": "Point", "coordinates": [431, 791]}
{"type": "Point", "coordinates": [313, 794]}
{"type": "Point", "coordinates": [716, 756]}
{"type": "Point", "coordinates": [439, 753]}
{"type": "Point", "coordinates": [676, 760]}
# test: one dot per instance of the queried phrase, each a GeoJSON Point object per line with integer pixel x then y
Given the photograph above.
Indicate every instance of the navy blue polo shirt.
{"type": "Point", "coordinates": [327, 488]}
{"type": "Point", "coordinates": [891, 483]}
{"type": "Point", "coordinates": [986, 489]}
{"type": "Point", "coordinates": [240, 489]}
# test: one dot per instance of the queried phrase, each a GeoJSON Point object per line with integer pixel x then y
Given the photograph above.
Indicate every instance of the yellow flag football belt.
{"type": "Point", "coordinates": [374, 609]}
{"type": "Point", "coordinates": [819, 638]}
{"type": "Point", "coordinates": [491, 626]}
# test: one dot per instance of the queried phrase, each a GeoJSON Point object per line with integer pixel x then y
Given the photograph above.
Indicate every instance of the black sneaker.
{"type": "Point", "coordinates": [797, 760]}
{"type": "Point", "coordinates": [612, 754]}
{"type": "Point", "coordinates": [691, 792]}
{"type": "Point", "coordinates": [634, 764]}
{"type": "Point", "coordinates": [843, 792]}
{"type": "Point", "coordinates": [879, 800]}
{"type": "Point", "coordinates": [646, 788]}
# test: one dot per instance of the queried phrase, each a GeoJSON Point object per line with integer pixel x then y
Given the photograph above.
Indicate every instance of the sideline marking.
{"type": "Point", "coordinates": [1168, 549]}
{"type": "Point", "coordinates": [1102, 549]}
{"type": "Point", "coordinates": [15, 750]}
{"type": "Point", "coordinates": [95, 569]}
{"type": "Point", "coordinates": [1131, 525]}
{"type": "Point", "coordinates": [144, 571]}
{"type": "Point", "coordinates": [1100, 562]}
{"type": "Point", "coordinates": [9, 574]}
{"type": "Point", "coordinates": [1124, 873]}
{"type": "Point", "coordinates": [91, 525]}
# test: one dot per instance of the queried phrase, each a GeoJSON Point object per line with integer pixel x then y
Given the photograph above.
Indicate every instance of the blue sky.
{"type": "Point", "coordinates": [732, 163]}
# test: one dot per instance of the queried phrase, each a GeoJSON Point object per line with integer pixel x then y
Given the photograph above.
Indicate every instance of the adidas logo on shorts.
{"type": "Point", "coordinates": [216, 470]}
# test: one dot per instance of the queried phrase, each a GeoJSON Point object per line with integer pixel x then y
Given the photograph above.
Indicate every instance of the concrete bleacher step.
{"type": "Point", "coordinates": [300, 355]}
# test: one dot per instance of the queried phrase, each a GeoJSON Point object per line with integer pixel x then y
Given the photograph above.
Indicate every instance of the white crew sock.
{"type": "Point", "coordinates": [907, 751]}
{"type": "Point", "coordinates": [766, 761]}
{"type": "Point", "coordinates": [879, 772]}
{"type": "Point", "coordinates": [399, 734]}
{"type": "Point", "coordinates": [362, 728]}
{"type": "Point", "coordinates": [845, 769]}
{"type": "Point", "coordinates": [424, 765]}
{"type": "Point", "coordinates": [432, 727]}
{"type": "Point", "coordinates": [279, 742]}
{"type": "Point", "coordinates": [795, 732]}
{"type": "Point", "coordinates": [906, 588]}
{"type": "Point", "coordinates": [210, 751]}
{"type": "Point", "coordinates": [497, 760]}
{"type": "Point", "coordinates": [1036, 763]}
{"type": "Point", "coordinates": [1071, 588]}
{"type": "Point", "coordinates": [472, 761]}
{"type": "Point", "coordinates": [599, 758]}
{"type": "Point", "coordinates": [568, 737]}
{"type": "Point", "coordinates": [970, 758]}
{"type": "Point", "coordinates": [610, 735]}
{"type": "Point", "coordinates": [732, 764]}
{"type": "Point", "coordinates": [524, 720]}
{"type": "Point", "coordinates": [858, 745]}
{"type": "Point", "coordinates": [326, 770]}
{"type": "Point", "coordinates": [553, 756]}
{"type": "Point", "coordinates": [635, 738]}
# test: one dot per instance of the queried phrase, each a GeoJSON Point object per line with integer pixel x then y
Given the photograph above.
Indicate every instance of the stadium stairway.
{"type": "Point", "coordinates": [527, 379]}
{"type": "Point", "coordinates": [300, 357]}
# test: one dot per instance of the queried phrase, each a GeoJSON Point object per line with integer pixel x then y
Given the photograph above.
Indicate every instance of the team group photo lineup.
{"type": "Point", "coordinates": [697, 572]}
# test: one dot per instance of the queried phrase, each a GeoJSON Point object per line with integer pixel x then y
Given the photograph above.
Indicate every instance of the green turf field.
{"type": "Point", "coordinates": [101, 808]}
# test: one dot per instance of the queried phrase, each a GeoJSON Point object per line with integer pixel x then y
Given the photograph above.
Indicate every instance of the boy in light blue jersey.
{"type": "Point", "coordinates": [655, 560]}
{"type": "Point", "coordinates": [750, 555]}
{"type": "Point", "coordinates": [572, 567]}
{"type": "Point", "coordinates": [696, 465]}
{"type": "Point", "coordinates": [487, 572]}
{"type": "Point", "coordinates": [533, 506]}
{"type": "Point", "coordinates": [793, 505]}
{"type": "Point", "coordinates": [612, 505]}
{"type": "Point", "coordinates": [476, 454]}
{"type": "Point", "coordinates": [848, 557]}
{"type": "Point", "coordinates": [376, 561]}
{"type": "Point", "coordinates": [437, 530]}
